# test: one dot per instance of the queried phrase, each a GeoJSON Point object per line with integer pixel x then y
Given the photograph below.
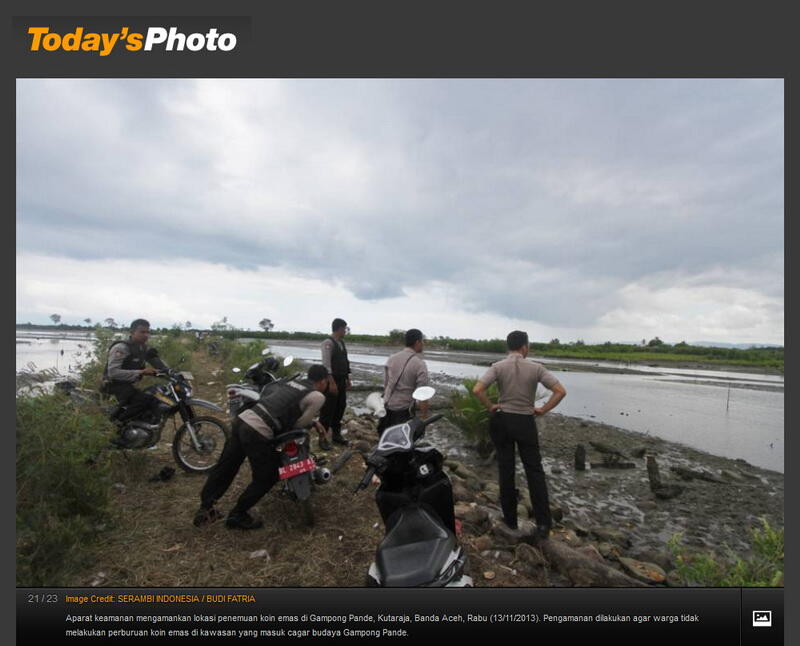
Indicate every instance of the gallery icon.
{"type": "Point", "coordinates": [762, 618]}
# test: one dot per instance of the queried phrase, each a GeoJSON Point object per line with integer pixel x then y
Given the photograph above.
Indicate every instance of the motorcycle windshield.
{"type": "Point", "coordinates": [396, 438]}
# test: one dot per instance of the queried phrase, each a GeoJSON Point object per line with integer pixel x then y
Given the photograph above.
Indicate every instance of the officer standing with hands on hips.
{"type": "Point", "coordinates": [513, 423]}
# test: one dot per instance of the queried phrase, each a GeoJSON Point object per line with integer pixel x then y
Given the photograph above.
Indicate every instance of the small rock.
{"type": "Point", "coordinates": [674, 580]}
{"type": "Point", "coordinates": [462, 494]}
{"type": "Point", "coordinates": [639, 452]}
{"type": "Point", "coordinates": [530, 555]}
{"type": "Point", "coordinates": [612, 535]}
{"type": "Point", "coordinates": [556, 470]}
{"type": "Point", "coordinates": [647, 572]}
{"type": "Point", "coordinates": [665, 492]}
{"type": "Point", "coordinates": [591, 552]}
{"type": "Point", "coordinates": [361, 446]}
{"type": "Point", "coordinates": [482, 543]}
{"type": "Point", "coordinates": [98, 579]}
{"type": "Point", "coordinates": [608, 550]}
{"type": "Point", "coordinates": [566, 536]}
{"type": "Point", "coordinates": [731, 475]}
{"type": "Point", "coordinates": [260, 554]}
{"type": "Point", "coordinates": [584, 578]}
{"type": "Point", "coordinates": [575, 526]}
{"type": "Point", "coordinates": [489, 575]}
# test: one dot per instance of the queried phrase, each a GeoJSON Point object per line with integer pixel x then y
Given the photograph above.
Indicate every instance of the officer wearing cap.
{"type": "Point", "coordinates": [513, 423]}
{"type": "Point", "coordinates": [404, 372]}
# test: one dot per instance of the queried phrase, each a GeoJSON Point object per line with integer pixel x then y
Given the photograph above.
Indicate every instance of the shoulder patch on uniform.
{"type": "Point", "coordinates": [294, 384]}
{"type": "Point", "coordinates": [118, 353]}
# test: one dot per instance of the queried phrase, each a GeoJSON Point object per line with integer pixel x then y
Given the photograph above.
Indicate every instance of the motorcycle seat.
{"type": "Point", "coordinates": [415, 549]}
{"type": "Point", "coordinates": [295, 434]}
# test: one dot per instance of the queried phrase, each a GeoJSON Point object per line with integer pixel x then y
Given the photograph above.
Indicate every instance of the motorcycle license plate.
{"type": "Point", "coordinates": [296, 468]}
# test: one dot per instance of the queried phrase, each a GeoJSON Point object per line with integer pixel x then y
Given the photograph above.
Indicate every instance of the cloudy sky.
{"type": "Point", "coordinates": [593, 209]}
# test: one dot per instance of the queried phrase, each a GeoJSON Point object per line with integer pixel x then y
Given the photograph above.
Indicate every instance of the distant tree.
{"type": "Point", "coordinates": [652, 343]}
{"type": "Point", "coordinates": [56, 318]}
{"type": "Point", "coordinates": [397, 336]}
{"type": "Point", "coordinates": [580, 342]}
{"type": "Point", "coordinates": [188, 325]}
{"type": "Point", "coordinates": [644, 342]}
{"type": "Point", "coordinates": [555, 341]}
{"type": "Point", "coordinates": [88, 321]}
{"type": "Point", "coordinates": [110, 322]}
{"type": "Point", "coordinates": [221, 325]}
{"type": "Point", "coordinates": [266, 325]}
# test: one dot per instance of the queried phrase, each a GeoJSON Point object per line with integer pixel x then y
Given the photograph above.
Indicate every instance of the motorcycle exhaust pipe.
{"type": "Point", "coordinates": [322, 475]}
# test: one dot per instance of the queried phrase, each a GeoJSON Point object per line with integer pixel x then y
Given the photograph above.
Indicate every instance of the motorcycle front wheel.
{"type": "Point", "coordinates": [211, 435]}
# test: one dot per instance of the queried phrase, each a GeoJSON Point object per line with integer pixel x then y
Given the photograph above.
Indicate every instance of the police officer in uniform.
{"type": "Point", "coordinates": [404, 372]}
{"type": "Point", "coordinates": [126, 365]}
{"type": "Point", "coordinates": [334, 358]}
{"type": "Point", "coordinates": [283, 406]}
{"type": "Point", "coordinates": [513, 423]}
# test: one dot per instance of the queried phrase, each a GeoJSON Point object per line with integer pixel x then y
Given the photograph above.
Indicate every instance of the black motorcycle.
{"type": "Point", "coordinates": [415, 500]}
{"type": "Point", "coordinates": [198, 442]}
{"type": "Point", "coordinates": [256, 377]}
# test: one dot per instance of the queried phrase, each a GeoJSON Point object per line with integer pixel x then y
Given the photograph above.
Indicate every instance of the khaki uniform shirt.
{"type": "Point", "coordinates": [413, 376]}
{"type": "Point", "coordinates": [517, 380]}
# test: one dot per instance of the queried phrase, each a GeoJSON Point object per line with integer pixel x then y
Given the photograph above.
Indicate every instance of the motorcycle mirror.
{"type": "Point", "coordinates": [423, 393]}
{"type": "Point", "coordinates": [265, 352]}
{"type": "Point", "coordinates": [237, 370]}
{"type": "Point", "coordinates": [288, 361]}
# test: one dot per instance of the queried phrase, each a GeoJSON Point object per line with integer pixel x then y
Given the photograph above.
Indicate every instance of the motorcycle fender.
{"type": "Point", "coordinates": [300, 486]}
{"type": "Point", "coordinates": [202, 403]}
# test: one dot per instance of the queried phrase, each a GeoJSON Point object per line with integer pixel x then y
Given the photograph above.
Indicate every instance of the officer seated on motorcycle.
{"type": "Point", "coordinates": [283, 406]}
{"type": "Point", "coordinates": [125, 366]}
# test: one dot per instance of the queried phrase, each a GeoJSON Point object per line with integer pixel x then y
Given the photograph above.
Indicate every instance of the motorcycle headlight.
{"type": "Point", "coordinates": [188, 391]}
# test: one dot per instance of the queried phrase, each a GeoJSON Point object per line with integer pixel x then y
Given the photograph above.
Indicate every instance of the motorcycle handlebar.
{"type": "Point", "coordinates": [365, 480]}
{"type": "Point", "coordinates": [433, 419]}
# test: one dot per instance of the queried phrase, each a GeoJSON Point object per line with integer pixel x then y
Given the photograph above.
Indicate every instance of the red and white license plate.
{"type": "Point", "coordinates": [296, 468]}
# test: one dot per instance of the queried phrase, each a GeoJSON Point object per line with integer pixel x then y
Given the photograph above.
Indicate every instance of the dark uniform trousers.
{"type": "Point", "coordinates": [136, 401]}
{"type": "Point", "coordinates": [392, 418]}
{"type": "Point", "coordinates": [509, 430]}
{"type": "Point", "coordinates": [333, 410]}
{"type": "Point", "coordinates": [243, 443]}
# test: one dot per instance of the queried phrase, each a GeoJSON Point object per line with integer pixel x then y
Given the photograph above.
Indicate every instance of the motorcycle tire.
{"type": "Point", "coordinates": [212, 435]}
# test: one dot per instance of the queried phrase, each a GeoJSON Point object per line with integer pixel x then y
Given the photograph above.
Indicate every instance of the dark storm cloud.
{"type": "Point", "coordinates": [535, 199]}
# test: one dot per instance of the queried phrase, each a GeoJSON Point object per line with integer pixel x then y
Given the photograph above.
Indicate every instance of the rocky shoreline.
{"type": "Point", "coordinates": [610, 523]}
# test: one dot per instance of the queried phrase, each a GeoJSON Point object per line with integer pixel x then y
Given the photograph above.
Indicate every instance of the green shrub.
{"type": "Point", "coordinates": [763, 568]}
{"type": "Point", "coordinates": [62, 486]}
{"type": "Point", "coordinates": [469, 414]}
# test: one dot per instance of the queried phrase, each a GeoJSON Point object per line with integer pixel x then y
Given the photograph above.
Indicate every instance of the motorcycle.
{"type": "Point", "coordinates": [298, 471]}
{"type": "Point", "coordinates": [256, 378]}
{"type": "Point", "coordinates": [197, 443]}
{"type": "Point", "coordinates": [415, 500]}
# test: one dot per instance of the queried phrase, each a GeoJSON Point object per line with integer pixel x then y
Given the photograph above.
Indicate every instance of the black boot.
{"type": "Point", "coordinates": [242, 520]}
{"type": "Point", "coordinates": [338, 439]}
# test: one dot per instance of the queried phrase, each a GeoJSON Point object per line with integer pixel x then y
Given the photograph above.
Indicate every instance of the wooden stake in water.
{"type": "Point", "coordinates": [728, 403]}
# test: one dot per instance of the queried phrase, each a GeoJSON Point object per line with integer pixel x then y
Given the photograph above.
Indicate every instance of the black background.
{"type": "Point", "coordinates": [432, 39]}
